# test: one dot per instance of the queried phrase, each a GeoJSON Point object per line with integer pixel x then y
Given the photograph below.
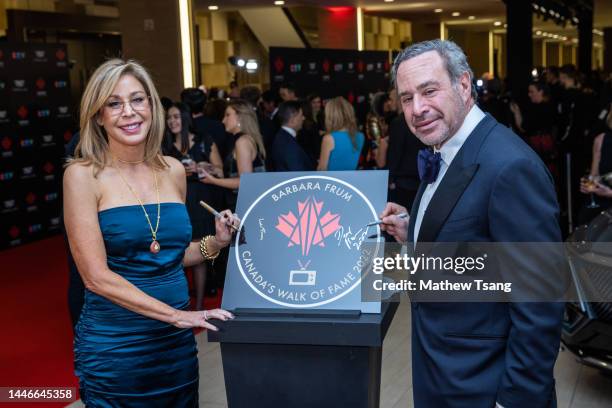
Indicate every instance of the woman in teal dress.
{"type": "Point", "coordinates": [130, 235]}
{"type": "Point", "coordinates": [341, 146]}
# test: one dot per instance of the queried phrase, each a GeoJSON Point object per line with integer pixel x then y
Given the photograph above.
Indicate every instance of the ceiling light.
{"type": "Point", "coordinates": [213, 8]}
{"type": "Point", "coordinates": [538, 32]}
{"type": "Point", "coordinates": [240, 62]}
{"type": "Point", "coordinates": [251, 65]}
{"type": "Point", "coordinates": [497, 23]}
{"type": "Point", "coordinates": [279, 3]}
{"type": "Point", "coordinates": [505, 25]}
{"type": "Point", "coordinates": [542, 9]}
{"type": "Point", "coordinates": [471, 18]}
{"type": "Point", "coordinates": [534, 72]}
{"type": "Point", "coordinates": [389, 1]}
{"type": "Point", "coordinates": [456, 14]}
{"type": "Point", "coordinates": [438, 10]}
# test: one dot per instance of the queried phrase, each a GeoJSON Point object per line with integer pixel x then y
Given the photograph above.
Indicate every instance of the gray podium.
{"type": "Point", "coordinates": [294, 362]}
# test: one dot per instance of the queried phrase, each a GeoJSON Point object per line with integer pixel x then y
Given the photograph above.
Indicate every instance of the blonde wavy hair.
{"type": "Point", "coordinates": [248, 122]}
{"type": "Point", "coordinates": [93, 148]}
{"type": "Point", "coordinates": [339, 115]}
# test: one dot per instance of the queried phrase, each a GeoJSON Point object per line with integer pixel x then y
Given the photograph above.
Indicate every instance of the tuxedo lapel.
{"type": "Point", "coordinates": [444, 200]}
{"type": "Point", "coordinates": [455, 181]}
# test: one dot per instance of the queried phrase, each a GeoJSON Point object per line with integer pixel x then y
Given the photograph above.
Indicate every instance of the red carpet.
{"type": "Point", "coordinates": [36, 335]}
{"type": "Point", "coordinates": [36, 347]}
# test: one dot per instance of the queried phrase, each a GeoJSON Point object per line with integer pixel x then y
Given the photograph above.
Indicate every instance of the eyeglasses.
{"type": "Point", "coordinates": [138, 103]}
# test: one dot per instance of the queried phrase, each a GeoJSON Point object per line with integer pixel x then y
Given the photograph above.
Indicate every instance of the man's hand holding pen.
{"type": "Point", "coordinates": [394, 222]}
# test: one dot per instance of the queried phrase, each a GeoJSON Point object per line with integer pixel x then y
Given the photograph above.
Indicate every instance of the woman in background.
{"type": "Point", "coordinates": [248, 154]}
{"type": "Point", "coordinates": [129, 233]}
{"type": "Point", "coordinates": [341, 146]}
{"type": "Point", "coordinates": [194, 151]}
{"type": "Point", "coordinates": [538, 124]}
{"type": "Point", "coordinates": [600, 176]}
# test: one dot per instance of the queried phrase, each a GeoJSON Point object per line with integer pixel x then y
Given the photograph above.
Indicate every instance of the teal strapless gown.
{"type": "Point", "coordinates": [124, 359]}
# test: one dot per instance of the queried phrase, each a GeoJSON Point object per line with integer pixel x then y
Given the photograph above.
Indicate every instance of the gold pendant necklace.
{"type": "Point", "coordinates": [155, 247]}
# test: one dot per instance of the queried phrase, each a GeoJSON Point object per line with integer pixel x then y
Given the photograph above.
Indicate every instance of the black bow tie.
{"type": "Point", "coordinates": [428, 165]}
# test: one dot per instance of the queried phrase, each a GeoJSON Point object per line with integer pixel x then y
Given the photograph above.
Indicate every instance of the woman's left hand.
{"type": "Point", "coordinates": [223, 228]}
{"type": "Point", "coordinates": [206, 177]}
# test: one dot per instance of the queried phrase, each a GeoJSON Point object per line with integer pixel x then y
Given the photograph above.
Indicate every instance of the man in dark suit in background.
{"type": "Point", "coordinates": [287, 154]}
{"type": "Point", "coordinates": [195, 99]}
{"type": "Point", "coordinates": [482, 184]}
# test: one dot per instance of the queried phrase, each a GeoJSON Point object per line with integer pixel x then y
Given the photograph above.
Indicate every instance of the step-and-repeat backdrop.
{"type": "Point", "coordinates": [328, 72]}
{"type": "Point", "coordinates": [36, 119]}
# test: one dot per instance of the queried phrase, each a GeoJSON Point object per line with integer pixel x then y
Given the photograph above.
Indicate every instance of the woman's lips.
{"type": "Point", "coordinates": [131, 129]}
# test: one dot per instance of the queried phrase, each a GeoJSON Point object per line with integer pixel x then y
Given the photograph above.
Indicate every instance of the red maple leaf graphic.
{"type": "Point", "coordinates": [60, 55]}
{"type": "Point", "coordinates": [67, 135]}
{"type": "Point", "coordinates": [14, 232]}
{"type": "Point", "coordinates": [30, 198]}
{"type": "Point", "coordinates": [360, 66]}
{"type": "Point", "coordinates": [279, 64]}
{"type": "Point", "coordinates": [309, 227]}
{"type": "Point", "coordinates": [326, 66]}
{"type": "Point", "coordinates": [351, 97]}
{"type": "Point", "coordinates": [40, 83]}
{"type": "Point", "coordinates": [22, 112]}
{"type": "Point", "coordinates": [48, 167]}
{"type": "Point", "coordinates": [7, 143]}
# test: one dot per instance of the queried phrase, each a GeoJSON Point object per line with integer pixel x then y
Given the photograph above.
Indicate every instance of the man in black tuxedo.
{"type": "Point", "coordinates": [479, 183]}
{"type": "Point", "coordinates": [287, 154]}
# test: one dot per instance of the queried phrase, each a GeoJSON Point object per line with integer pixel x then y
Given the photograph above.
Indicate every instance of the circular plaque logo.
{"type": "Point", "coordinates": [299, 243]}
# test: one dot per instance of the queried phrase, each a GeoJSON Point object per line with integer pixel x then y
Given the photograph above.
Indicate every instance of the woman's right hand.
{"type": "Point", "coordinates": [188, 320]}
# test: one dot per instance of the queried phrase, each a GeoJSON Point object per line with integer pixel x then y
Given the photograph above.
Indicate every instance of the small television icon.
{"type": "Point", "coordinates": [302, 278]}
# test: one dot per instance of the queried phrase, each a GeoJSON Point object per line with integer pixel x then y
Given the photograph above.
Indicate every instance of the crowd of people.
{"type": "Point", "coordinates": [565, 117]}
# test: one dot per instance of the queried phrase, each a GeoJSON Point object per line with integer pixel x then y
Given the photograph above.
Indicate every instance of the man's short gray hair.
{"type": "Point", "coordinates": [453, 56]}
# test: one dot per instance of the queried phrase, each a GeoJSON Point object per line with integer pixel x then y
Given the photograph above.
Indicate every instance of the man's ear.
{"type": "Point", "coordinates": [466, 86]}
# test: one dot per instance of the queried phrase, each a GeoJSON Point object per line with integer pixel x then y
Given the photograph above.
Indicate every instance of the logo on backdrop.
{"type": "Point", "coordinates": [67, 136]}
{"type": "Point", "coordinates": [40, 56]}
{"type": "Point", "coordinates": [19, 85]}
{"type": "Point", "coordinates": [9, 206]}
{"type": "Point", "coordinates": [313, 218]}
{"type": "Point", "coordinates": [279, 65]}
{"type": "Point", "coordinates": [47, 141]}
{"type": "Point", "coordinates": [18, 55]}
{"type": "Point", "coordinates": [60, 56]}
{"type": "Point", "coordinates": [40, 87]}
{"type": "Point", "coordinates": [6, 143]}
{"type": "Point", "coordinates": [63, 112]}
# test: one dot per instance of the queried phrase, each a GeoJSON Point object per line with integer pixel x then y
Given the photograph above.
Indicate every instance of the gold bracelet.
{"type": "Point", "coordinates": [204, 248]}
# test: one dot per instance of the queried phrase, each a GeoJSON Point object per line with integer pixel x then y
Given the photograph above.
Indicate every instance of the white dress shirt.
{"type": "Point", "coordinates": [448, 151]}
{"type": "Point", "coordinates": [291, 131]}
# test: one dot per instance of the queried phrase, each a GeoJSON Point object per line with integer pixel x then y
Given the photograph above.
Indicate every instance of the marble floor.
{"type": "Point", "coordinates": [578, 386]}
